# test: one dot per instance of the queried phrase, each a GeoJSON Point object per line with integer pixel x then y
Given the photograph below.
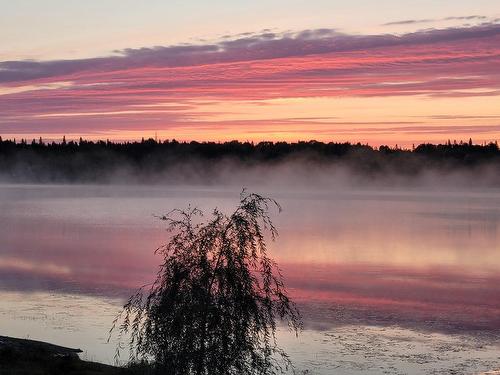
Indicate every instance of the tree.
{"type": "Point", "coordinates": [217, 298]}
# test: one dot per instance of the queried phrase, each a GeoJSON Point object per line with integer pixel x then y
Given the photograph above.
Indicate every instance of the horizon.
{"type": "Point", "coordinates": [47, 141]}
{"type": "Point", "coordinates": [385, 73]}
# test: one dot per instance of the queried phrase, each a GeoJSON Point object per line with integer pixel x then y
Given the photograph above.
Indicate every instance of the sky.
{"type": "Point", "coordinates": [377, 72]}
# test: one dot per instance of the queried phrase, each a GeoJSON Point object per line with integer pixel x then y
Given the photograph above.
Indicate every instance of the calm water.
{"type": "Point", "coordinates": [389, 281]}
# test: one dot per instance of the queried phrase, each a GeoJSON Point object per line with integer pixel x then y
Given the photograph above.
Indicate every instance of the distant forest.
{"type": "Point", "coordinates": [101, 161]}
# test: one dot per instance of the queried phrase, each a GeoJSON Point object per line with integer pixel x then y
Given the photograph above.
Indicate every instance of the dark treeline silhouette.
{"type": "Point", "coordinates": [101, 161]}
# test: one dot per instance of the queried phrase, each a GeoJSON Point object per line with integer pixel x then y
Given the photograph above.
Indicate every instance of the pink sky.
{"type": "Point", "coordinates": [429, 85]}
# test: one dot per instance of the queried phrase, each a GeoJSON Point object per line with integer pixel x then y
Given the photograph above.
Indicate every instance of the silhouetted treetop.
{"type": "Point", "coordinates": [217, 298]}
{"type": "Point", "coordinates": [95, 161]}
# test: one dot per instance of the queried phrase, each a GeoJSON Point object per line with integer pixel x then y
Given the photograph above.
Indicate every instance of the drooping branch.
{"type": "Point", "coordinates": [217, 297]}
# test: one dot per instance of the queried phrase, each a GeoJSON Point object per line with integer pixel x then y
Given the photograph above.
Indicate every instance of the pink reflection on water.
{"type": "Point", "coordinates": [444, 299]}
{"type": "Point", "coordinates": [420, 259]}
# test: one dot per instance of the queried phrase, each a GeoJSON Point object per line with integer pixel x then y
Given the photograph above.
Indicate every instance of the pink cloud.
{"type": "Point", "coordinates": [453, 62]}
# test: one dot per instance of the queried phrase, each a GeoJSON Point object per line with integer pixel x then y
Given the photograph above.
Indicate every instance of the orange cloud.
{"type": "Point", "coordinates": [191, 87]}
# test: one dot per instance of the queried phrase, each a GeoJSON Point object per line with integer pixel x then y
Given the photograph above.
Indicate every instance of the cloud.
{"type": "Point", "coordinates": [408, 22]}
{"type": "Point", "coordinates": [464, 117]}
{"type": "Point", "coordinates": [163, 86]}
{"type": "Point", "coordinates": [431, 20]}
{"type": "Point", "coordinates": [258, 47]}
{"type": "Point", "coordinates": [466, 18]}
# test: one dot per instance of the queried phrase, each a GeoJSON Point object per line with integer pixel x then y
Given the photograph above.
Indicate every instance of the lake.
{"type": "Point", "coordinates": [389, 281]}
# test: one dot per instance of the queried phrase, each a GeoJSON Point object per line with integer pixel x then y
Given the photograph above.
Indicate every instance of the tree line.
{"type": "Point", "coordinates": [94, 161]}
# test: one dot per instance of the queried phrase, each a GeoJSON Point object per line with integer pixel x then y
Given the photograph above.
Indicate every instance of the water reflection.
{"type": "Point", "coordinates": [422, 260]}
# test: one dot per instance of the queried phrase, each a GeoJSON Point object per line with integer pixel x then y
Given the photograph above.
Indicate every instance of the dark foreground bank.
{"type": "Point", "coordinates": [28, 357]}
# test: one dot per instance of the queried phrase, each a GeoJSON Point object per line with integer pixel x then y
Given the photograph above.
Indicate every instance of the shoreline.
{"type": "Point", "coordinates": [24, 356]}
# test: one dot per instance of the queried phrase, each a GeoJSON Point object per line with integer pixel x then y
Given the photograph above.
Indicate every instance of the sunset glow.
{"type": "Point", "coordinates": [392, 83]}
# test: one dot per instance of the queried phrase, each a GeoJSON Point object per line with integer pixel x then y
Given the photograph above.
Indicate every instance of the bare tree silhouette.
{"type": "Point", "coordinates": [217, 299]}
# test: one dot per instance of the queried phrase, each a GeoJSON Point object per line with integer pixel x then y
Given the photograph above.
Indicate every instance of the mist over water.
{"type": "Point", "coordinates": [296, 173]}
{"type": "Point", "coordinates": [398, 264]}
